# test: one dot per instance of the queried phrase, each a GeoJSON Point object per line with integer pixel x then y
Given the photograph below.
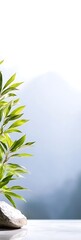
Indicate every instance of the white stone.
{"type": "Point", "coordinates": [11, 217]}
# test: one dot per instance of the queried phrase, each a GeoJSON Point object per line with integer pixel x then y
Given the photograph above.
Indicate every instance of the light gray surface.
{"type": "Point", "coordinates": [45, 229]}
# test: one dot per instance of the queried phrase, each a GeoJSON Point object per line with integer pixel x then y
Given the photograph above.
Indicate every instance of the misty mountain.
{"type": "Point", "coordinates": [64, 203]}
{"type": "Point", "coordinates": [54, 110]}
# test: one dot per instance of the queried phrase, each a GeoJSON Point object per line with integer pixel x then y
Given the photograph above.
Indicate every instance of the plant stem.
{"type": "Point", "coordinates": [6, 158]}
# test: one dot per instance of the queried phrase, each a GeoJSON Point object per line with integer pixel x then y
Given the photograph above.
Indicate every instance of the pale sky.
{"type": "Point", "coordinates": [40, 36]}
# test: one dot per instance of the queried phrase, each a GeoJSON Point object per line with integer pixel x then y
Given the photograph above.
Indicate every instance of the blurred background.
{"type": "Point", "coordinates": [41, 41]}
{"type": "Point", "coordinates": [54, 110]}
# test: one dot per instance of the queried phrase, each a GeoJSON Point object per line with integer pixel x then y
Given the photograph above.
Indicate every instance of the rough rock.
{"type": "Point", "coordinates": [11, 217]}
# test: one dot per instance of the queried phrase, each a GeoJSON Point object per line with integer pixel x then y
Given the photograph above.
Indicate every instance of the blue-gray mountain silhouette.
{"type": "Point", "coordinates": [54, 110]}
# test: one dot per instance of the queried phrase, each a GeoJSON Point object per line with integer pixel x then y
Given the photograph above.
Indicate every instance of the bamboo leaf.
{"type": "Point", "coordinates": [1, 61]}
{"type": "Point", "coordinates": [17, 111]}
{"type": "Point", "coordinates": [11, 118]}
{"type": "Point", "coordinates": [7, 108]}
{"type": "Point", "coordinates": [11, 95]}
{"type": "Point", "coordinates": [10, 199]}
{"type": "Point", "coordinates": [3, 103]}
{"type": "Point", "coordinates": [15, 195]}
{"type": "Point", "coordinates": [8, 139]}
{"type": "Point", "coordinates": [8, 178]}
{"type": "Point", "coordinates": [16, 101]}
{"type": "Point", "coordinates": [17, 188]}
{"type": "Point", "coordinates": [14, 165]}
{"type": "Point", "coordinates": [15, 168]}
{"type": "Point", "coordinates": [4, 145]}
{"type": "Point", "coordinates": [12, 78]}
{"type": "Point", "coordinates": [10, 130]}
{"type": "Point", "coordinates": [18, 123]}
{"type": "Point", "coordinates": [1, 171]}
{"type": "Point", "coordinates": [21, 155]}
{"type": "Point", "coordinates": [5, 181]}
{"type": "Point", "coordinates": [17, 172]}
{"type": "Point", "coordinates": [16, 85]}
{"type": "Point", "coordinates": [2, 138]}
{"type": "Point", "coordinates": [18, 143]}
{"type": "Point", "coordinates": [7, 90]}
{"type": "Point", "coordinates": [29, 143]}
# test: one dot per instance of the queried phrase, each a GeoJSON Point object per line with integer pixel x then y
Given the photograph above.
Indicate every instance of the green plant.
{"type": "Point", "coordinates": [10, 121]}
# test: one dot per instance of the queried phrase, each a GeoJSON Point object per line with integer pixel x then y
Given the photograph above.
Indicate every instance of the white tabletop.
{"type": "Point", "coordinates": [45, 230]}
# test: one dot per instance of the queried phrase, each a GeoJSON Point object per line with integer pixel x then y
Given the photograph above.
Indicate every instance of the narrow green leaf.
{"type": "Point", "coordinates": [10, 130]}
{"type": "Point", "coordinates": [21, 155]}
{"type": "Point", "coordinates": [3, 103]}
{"type": "Point", "coordinates": [10, 199]}
{"type": "Point", "coordinates": [2, 138]}
{"type": "Point", "coordinates": [18, 123]}
{"type": "Point", "coordinates": [15, 168]}
{"type": "Point", "coordinates": [14, 165]}
{"type": "Point", "coordinates": [29, 143]}
{"type": "Point", "coordinates": [7, 178]}
{"type": "Point", "coordinates": [15, 117]}
{"type": "Point", "coordinates": [17, 188]}
{"type": "Point", "coordinates": [11, 118]}
{"type": "Point", "coordinates": [17, 111]}
{"type": "Point", "coordinates": [8, 139]}
{"type": "Point", "coordinates": [5, 181]}
{"type": "Point", "coordinates": [12, 78]}
{"type": "Point", "coordinates": [7, 90]}
{"type": "Point", "coordinates": [1, 171]}
{"type": "Point", "coordinates": [18, 143]}
{"type": "Point", "coordinates": [16, 84]}
{"type": "Point", "coordinates": [7, 109]}
{"type": "Point", "coordinates": [4, 145]}
{"type": "Point", "coordinates": [15, 195]}
{"type": "Point", "coordinates": [18, 172]}
{"type": "Point", "coordinates": [1, 80]}
{"type": "Point", "coordinates": [11, 95]}
{"type": "Point", "coordinates": [16, 101]}
{"type": "Point", "coordinates": [1, 61]}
